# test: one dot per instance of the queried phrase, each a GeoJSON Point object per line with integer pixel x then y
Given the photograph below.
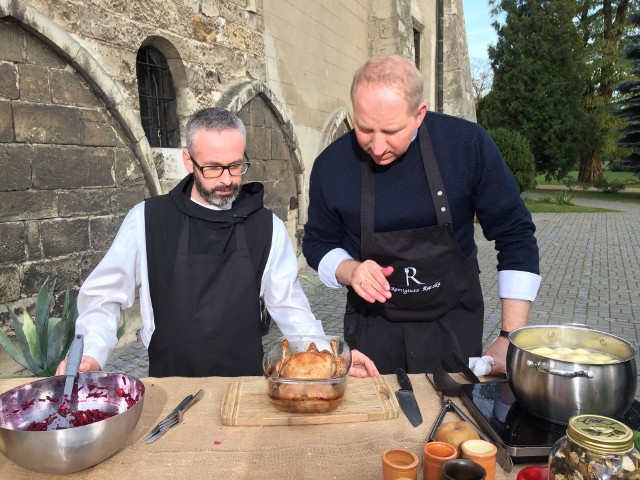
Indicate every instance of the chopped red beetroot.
{"type": "Point", "coordinates": [80, 418]}
{"type": "Point", "coordinates": [96, 395]}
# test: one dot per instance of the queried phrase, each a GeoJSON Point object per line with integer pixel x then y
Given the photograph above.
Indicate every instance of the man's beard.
{"type": "Point", "coordinates": [213, 197]}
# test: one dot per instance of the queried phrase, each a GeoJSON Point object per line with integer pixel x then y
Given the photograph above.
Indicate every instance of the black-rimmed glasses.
{"type": "Point", "coordinates": [215, 171]}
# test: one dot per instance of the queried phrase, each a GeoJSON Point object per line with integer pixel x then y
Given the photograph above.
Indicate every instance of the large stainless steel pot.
{"type": "Point", "coordinates": [556, 389]}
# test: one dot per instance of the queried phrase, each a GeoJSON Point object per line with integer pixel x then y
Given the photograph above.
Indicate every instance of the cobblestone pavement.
{"type": "Point", "coordinates": [590, 263]}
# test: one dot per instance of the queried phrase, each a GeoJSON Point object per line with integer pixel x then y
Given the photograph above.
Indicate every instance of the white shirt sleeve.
{"type": "Point", "coordinates": [111, 287]}
{"type": "Point", "coordinates": [283, 295]}
{"type": "Point", "coordinates": [329, 265]}
{"type": "Point", "coordinates": [517, 285]}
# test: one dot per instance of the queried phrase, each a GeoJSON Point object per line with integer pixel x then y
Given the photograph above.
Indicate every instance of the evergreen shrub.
{"type": "Point", "coordinates": [517, 153]}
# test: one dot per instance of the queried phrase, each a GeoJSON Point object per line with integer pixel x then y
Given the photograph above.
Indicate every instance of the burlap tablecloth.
{"type": "Point", "coordinates": [203, 448]}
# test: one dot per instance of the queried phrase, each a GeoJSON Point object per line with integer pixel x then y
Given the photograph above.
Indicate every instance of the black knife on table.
{"type": "Point", "coordinates": [407, 399]}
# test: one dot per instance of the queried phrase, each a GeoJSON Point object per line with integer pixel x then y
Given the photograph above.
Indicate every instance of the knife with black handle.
{"type": "Point", "coordinates": [407, 399]}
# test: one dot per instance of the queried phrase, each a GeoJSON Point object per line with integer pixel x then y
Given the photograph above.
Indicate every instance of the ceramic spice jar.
{"type": "Point", "coordinates": [399, 463]}
{"type": "Point", "coordinates": [482, 452]}
{"type": "Point", "coordinates": [434, 455]}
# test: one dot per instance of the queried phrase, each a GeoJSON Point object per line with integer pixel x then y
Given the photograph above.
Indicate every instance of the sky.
{"type": "Point", "coordinates": [480, 33]}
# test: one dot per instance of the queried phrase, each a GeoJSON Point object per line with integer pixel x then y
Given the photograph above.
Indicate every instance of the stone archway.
{"type": "Point", "coordinates": [338, 124]}
{"type": "Point", "coordinates": [92, 72]}
{"type": "Point", "coordinates": [273, 151]}
{"type": "Point", "coordinates": [73, 154]}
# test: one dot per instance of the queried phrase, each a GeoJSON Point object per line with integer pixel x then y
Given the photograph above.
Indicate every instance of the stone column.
{"type": "Point", "coordinates": [390, 28]}
{"type": "Point", "coordinates": [458, 97]}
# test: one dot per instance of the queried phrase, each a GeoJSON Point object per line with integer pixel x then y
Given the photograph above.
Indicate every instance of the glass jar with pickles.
{"type": "Point", "coordinates": [595, 447]}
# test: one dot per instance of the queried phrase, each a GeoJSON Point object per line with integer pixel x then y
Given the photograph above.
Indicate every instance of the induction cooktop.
{"type": "Point", "coordinates": [525, 437]}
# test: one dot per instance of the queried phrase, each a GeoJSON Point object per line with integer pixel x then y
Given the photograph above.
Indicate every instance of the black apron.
{"type": "Point", "coordinates": [436, 305]}
{"type": "Point", "coordinates": [207, 326]}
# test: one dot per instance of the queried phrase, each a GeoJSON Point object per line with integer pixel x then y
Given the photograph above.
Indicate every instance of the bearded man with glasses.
{"type": "Point", "coordinates": [201, 256]}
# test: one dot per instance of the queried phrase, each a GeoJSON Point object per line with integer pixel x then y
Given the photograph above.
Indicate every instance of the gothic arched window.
{"type": "Point", "coordinates": [157, 99]}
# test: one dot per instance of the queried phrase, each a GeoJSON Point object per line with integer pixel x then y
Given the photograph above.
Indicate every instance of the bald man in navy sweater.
{"type": "Point", "coordinates": [391, 217]}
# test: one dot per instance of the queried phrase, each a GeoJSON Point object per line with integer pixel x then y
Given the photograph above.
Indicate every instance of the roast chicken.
{"type": "Point", "coordinates": [311, 363]}
{"type": "Point", "coordinates": [310, 380]}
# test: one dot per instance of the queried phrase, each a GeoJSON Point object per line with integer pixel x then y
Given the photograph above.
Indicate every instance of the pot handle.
{"type": "Point", "coordinates": [561, 373]}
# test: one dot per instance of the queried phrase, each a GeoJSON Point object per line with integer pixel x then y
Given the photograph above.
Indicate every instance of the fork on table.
{"type": "Point", "coordinates": [174, 418]}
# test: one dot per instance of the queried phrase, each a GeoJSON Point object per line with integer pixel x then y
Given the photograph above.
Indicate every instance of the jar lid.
{"type": "Point", "coordinates": [602, 434]}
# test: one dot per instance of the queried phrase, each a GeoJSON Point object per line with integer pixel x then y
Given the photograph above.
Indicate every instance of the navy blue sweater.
{"type": "Point", "coordinates": [476, 180]}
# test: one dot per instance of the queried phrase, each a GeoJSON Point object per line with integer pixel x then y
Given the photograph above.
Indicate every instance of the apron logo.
{"type": "Point", "coordinates": [413, 284]}
{"type": "Point", "coordinates": [409, 273]}
{"type": "Point", "coordinates": [406, 291]}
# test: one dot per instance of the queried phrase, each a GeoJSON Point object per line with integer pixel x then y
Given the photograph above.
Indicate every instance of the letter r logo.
{"type": "Point", "coordinates": [409, 273]}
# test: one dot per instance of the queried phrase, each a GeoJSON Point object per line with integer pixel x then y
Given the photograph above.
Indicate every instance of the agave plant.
{"type": "Point", "coordinates": [45, 341]}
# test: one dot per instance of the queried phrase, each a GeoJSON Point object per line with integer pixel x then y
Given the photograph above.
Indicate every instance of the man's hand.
{"type": "Point", "coordinates": [514, 315]}
{"type": "Point", "coordinates": [368, 279]}
{"type": "Point", "coordinates": [498, 350]}
{"type": "Point", "coordinates": [87, 364]}
{"type": "Point", "coordinates": [362, 366]}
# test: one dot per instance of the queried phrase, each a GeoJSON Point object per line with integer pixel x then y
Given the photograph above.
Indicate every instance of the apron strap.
{"type": "Point", "coordinates": [434, 179]}
{"type": "Point", "coordinates": [183, 239]}
{"type": "Point", "coordinates": [241, 238]}
{"type": "Point", "coordinates": [367, 203]}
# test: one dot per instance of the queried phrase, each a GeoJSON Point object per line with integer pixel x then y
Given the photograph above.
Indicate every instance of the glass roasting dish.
{"type": "Point", "coordinates": [306, 395]}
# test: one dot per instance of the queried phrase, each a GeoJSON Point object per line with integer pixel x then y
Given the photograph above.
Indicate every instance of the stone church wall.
{"type": "Point", "coordinates": [68, 176]}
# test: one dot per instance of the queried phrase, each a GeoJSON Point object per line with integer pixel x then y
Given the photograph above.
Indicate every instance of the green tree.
{"type": "Point", "coordinates": [630, 104]}
{"type": "Point", "coordinates": [538, 80]}
{"type": "Point", "coordinates": [517, 153]}
{"type": "Point", "coordinates": [602, 25]}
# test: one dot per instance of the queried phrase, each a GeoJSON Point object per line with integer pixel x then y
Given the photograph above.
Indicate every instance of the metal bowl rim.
{"type": "Point", "coordinates": [583, 328]}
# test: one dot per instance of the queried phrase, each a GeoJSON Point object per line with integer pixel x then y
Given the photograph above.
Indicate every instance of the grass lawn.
{"type": "Point", "coordinates": [537, 206]}
{"type": "Point", "coordinates": [551, 200]}
{"type": "Point", "coordinates": [628, 178]}
{"type": "Point", "coordinates": [624, 197]}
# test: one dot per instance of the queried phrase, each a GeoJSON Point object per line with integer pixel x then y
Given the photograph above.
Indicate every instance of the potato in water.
{"type": "Point", "coordinates": [576, 355]}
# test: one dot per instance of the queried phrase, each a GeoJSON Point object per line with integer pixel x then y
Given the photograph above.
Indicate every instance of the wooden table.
{"type": "Point", "coordinates": [203, 448]}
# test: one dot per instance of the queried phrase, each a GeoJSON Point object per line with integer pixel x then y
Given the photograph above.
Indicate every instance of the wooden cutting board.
{"type": "Point", "coordinates": [246, 404]}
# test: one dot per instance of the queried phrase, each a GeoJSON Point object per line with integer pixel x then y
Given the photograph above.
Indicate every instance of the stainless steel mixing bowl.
{"type": "Point", "coordinates": [76, 448]}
